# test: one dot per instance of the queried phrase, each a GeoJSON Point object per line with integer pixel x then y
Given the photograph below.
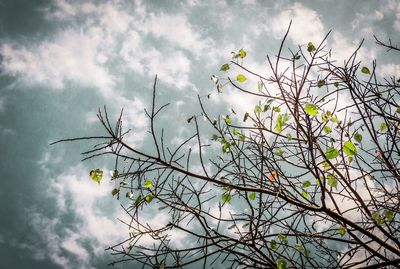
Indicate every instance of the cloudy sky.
{"type": "Point", "coordinates": [61, 60]}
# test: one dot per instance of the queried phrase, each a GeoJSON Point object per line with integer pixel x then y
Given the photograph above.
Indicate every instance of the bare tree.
{"type": "Point", "coordinates": [309, 179]}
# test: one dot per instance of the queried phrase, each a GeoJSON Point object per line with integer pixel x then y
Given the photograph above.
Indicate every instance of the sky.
{"type": "Point", "coordinates": [60, 60]}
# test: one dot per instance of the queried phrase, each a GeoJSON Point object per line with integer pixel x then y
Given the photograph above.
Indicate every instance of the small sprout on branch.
{"type": "Point", "coordinates": [113, 174]}
{"type": "Point", "coordinates": [96, 175]}
{"type": "Point", "coordinates": [349, 148]}
{"type": "Point", "coordinates": [224, 67]}
{"type": "Point", "coordinates": [311, 109]}
{"type": "Point", "coordinates": [327, 129]}
{"type": "Point", "coordinates": [365, 70]}
{"type": "Point", "coordinates": [149, 197]}
{"type": "Point", "coordinates": [148, 184]}
{"type": "Point", "coordinates": [241, 78]}
{"type": "Point", "coordinates": [320, 83]}
{"type": "Point", "coordinates": [281, 264]}
{"type": "Point", "coordinates": [226, 198]}
{"type": "Point", "coordinates": [342, 231]}
{"type": "Point", "coordinates": [311, 47]}
{"type": "Point", "coordinates": [228, 120]}
{"type": "Point", "coordinates": [358, 137]}
{"type": "Point", "coordinates": [331, 153]}
{"type": "Point", "coordinates": [242, 53]}
{"type": "Point", "coordinates": [281, 122]}
{"type": "Point", "coordinates": [114, 192]}
{"type": "Point", "coordinates": [246, 116]}
{"type": "Point", "coordinates": [383, 127]}
{"type": "Point", "coordinates": [273, 245]}
{"type": "Point", "coordinates": [332, 180]}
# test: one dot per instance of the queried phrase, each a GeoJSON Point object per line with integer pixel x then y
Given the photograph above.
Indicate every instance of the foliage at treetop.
{"type": "Point", "coordinates": [308, 179]}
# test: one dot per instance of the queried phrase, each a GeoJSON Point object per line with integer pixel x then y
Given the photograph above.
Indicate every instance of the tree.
{"type": "Point", "coordinates": [305, 180]}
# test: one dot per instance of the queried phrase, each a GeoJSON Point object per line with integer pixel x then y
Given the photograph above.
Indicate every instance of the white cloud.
{"type": "Point", "coordinates": [72, 245]}
{"type": "Point", "coordinates": [74, 193]}
{"type": "Point", "coordinates": [171, 66]}
{"type": "Point", "coordinates": [55, 243]}
{"type": "Point", "coordinates": [177, 30]}
{"type": "Point", "coordinates": [386, 70]}
{"type": "Point", "coordinates": [70, 57]}
{"type": "Point", "coordinates": [343, 48]}
{"type": "Point", "coordinates": [306, 25]}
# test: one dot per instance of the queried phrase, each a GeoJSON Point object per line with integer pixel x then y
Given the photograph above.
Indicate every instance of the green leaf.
{"type": "Point", "coordinates": [114, 192]}
{"type": "Point", "coordinates": [279, 152]}
{"type": "Point", "coordinates": [311, 47]}
{"type": "Point", "coordinates": [252, 196]}
{"type": "Point", "coordinates": [320, 83]}
{"type": "Point", "coordinates": [389, 215]}
{"type": "Point", "coordinates": [257, 109]}
{"type": "Point", "coordinates": [162, 265]}
{"type": "Point", "coordinates": [235, 132]}
{"type": "Point", "coordinates": [304, 194]}
{"type": "Point", "coordinates": [377, 217]}
{"type": "Point", "coordinates": [383, 127]}
{"type": "Point", "coordinates": [358, 137]}
{"type": "Point", "coordinates": [311, 109]}
{"type": "Point", "coordinates": [298, 247]}
{"type": "Point", "coordinates": [365, 70]}
{"type": "Point", "coordinates": [331, 153]}
{"type": "Point", "coordinates": [326, 165]}
{"type": "Point", "coordinates": [349, 148]}
{"type": "Point", "coordinates": [228, 120]}
{"type": "Point", "coordinates": [242, 53]}
{"type": "Point", "coordinates": [226, 146]}
{"type": "Point", "coordinates": [289, 137]}
{"type": "Point", "coordinates": [226, 198]}
{"type": "Point", "coordinates": [281, 264]}
{"type": "Point", "coordinates": [260, 86]}
{"type": "Point", "coordinates": [333, 119]}
{"type": "Point", "coordinates": [138, 200]}
{"type": "Point", "coordinates": [277, 109]}
{"type": "Point", "coordinates": [324, 117]}
{"type": "Point", "coordinates": [96, 175]}
{"type": "Point", "coordinates": [113, 174]}
{"type": "Point", "coordinates": [336, 84]}
{"type": "Point", "coordinates": [306, 184]}
{"type": "Point", "coordinates": [215, 137]}
{"type": "Point", "coordinates": [281, 122]}
{"type": "Point", "coordinates": [398, 110]}
{"type": "Point", "coordinates": [232, 226]}
{"type": "Point", "coordinates": [149, 197]}
{"type": "Point", "coordinates": [342, 231]}
{"type": "Point", "coordinates": [224, 67]}
{"type": "Point", "coordinates": [242, 137]}
{"type": "Point", "coordinates": [266, 108]}
{"type": "Point", "coordinates": [148, 184]}
{"type": "Point", "coordinates": [241, 78]}
{"type": "Point", "coordinates": [332, 181]}
{"type": "Point", "coordinates": [327, 129]}
{"type": "Point", "coordinates": [246, 116]}
{"type": "Point", "coordinates": [273, 245]}
{"type": "Point", "coordinates": [219, 88]}
{"type": "Point", "coordinates": [283, 238]}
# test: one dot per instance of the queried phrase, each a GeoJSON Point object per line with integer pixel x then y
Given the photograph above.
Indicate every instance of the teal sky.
{"type": "Point", "coordinates": [61, 60]}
